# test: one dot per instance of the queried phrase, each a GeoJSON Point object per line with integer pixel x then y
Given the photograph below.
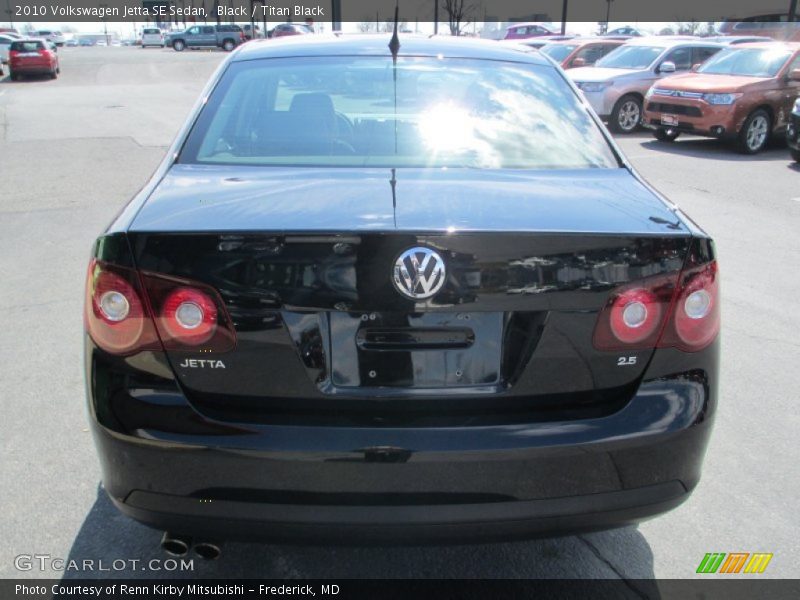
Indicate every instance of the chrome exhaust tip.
{"type": "Point", "coordinates": [175, 545]}
{"type": "Point", "coordinates": [207, 550]}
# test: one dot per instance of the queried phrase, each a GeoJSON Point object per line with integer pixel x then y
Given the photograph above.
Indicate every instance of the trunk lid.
{"type": "Point", "coordinates": [303, 261]}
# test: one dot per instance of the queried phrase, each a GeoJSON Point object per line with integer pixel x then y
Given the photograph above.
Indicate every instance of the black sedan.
{"type": "Point", "coordinates": [398, 293]}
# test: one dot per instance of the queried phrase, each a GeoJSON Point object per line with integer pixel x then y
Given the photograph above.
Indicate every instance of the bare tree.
{"type": "Point", "coordinates": [459, 14]}
{"type": "Point", "coordinates": [366, 26]}
{"type": "Point", "coordinates": [688, 28]}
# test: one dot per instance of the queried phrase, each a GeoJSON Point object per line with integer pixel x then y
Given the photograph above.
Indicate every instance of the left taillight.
{"type": "Point", "coordinates": [115, 314]}
{"type": "Point", "coordinates": [127, 312]}
{"type": "Point", "coordinates": [189, 315]}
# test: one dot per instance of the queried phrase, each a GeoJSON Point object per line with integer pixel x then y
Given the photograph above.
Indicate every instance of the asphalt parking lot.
{"type": "Point", "coordinates": [73, 150]}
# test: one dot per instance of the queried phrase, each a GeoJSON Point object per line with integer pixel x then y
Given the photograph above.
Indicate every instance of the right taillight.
{"type": "Point", "coordinates": [695, 318]}
{"type": "Point", "coordinates": [677, 311]}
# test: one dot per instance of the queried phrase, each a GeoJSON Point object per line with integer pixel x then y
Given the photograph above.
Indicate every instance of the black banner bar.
{"type": "Point", "coordinates": [336, 11]}
{"type": "Point", "coordinates": [712, 588]}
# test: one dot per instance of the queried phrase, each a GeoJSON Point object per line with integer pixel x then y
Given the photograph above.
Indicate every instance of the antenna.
{"type": "Point", "coordinates": [394, 43]}
{"type": "Point", "coordinates": [394, 46]}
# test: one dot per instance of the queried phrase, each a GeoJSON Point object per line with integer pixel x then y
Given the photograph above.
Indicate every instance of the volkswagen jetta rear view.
{"type": "Point", "coordinates": [398, 294]}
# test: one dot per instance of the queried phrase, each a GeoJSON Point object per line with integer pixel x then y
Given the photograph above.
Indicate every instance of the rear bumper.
{"type": "Point", "coordinates": [31, 69]}
{"type": "Point", "coordinates": [174, 469]}
{"type": "Point", "coordinates": [228, 519]}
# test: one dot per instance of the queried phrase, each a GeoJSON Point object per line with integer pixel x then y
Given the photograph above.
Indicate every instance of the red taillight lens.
{"type": "Point", "coordinates": [633, 316]}
{"type": "Point", "coordinates": [189, 315]}
{"type": "Point", "coordinates": [695, 317]}
{"type": "Point", "coordinates": [13, 54]}
{"type": "Point", "coordinates": [115, 316]}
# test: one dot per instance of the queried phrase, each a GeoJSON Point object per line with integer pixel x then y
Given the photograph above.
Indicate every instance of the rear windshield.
{"type": "Point", "coordinates": [558, 52]}
{"type": "Point", "coordinates": [747, 62]}
{"type": "Point", "coordinates": [363, 111]}
{"type": "Point", "coordinates": [151, 31]}
{"type": "Point", "coordinates": [630, 57]}
{"type": "Point", "coordinates": [28, 46]}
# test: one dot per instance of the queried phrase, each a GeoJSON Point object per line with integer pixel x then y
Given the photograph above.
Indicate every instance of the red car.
{"type": "Point", "coordinates": [520, 31]}
{"type": "Point", "coordinates": [32, 57]}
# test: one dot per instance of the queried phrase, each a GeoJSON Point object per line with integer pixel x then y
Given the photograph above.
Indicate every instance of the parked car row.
{"type": "Point", "coordinates": [744, 94]}
{"type": "Point", "coordinates": [735, 87]}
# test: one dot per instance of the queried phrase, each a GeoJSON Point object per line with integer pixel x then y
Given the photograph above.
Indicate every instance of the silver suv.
{"type": "Point", "coordinates": [615, 86]}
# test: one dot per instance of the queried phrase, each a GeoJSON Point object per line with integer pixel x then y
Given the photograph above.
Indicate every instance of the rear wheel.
{"type": "Point", "coordinates": [228, 45]}
{"type": "Point", "coordinates": [178, 45]}
{"type": "Point", "coordinates": [795, 154]}
{"type": "Point", "coordinates": [666, 135]}
{"type": "Point", "coordinates": [754, 135]}
{"type": "Point", "coordinates": [53, 74]}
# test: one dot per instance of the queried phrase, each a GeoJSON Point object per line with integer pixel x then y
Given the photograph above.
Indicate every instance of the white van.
{"type": "Point", "coordinates": [152, 36]}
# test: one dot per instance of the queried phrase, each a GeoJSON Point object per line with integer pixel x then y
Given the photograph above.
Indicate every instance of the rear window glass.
{"type": "Point", "coordinates": [558, 52]}
{"type": "Point", "coordinates": [630, 57]}
{"type": "Point", "coordinates": [363, 111]}
{"type": "Point", "coordinates": [28, 46]}
{"type": "Point", "coordinates": [151, 31]}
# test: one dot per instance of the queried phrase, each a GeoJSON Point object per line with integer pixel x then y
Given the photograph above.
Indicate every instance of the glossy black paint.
{"type": "Point", "coordinates": [247, 199]}
{"type": "Point", "coordinates": [348, 411]}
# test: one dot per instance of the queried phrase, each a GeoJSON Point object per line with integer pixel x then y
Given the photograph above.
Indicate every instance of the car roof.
{"type": "Point", "coordinates": [527, 24]}
{"type": "Point", "coordinates": [665, 41]}
{"type": "Point", "coordinates": [792, 46]}
{"type": "Point", "coordinates": [580, 41]}
{"type": "Point", "coordinates": [378, 45]}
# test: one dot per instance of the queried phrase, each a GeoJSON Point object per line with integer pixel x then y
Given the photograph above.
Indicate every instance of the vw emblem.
{"type": "Point", "coordinates": [419, 273]}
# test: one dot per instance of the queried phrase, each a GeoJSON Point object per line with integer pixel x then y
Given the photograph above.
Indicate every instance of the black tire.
{"type": "Point", "coordinates": [53, 74]}
{"type": "Point", "coordinates": [626, 114]}
{"type": "Point", "coordinates": [228, 45]}
{"type": "Point", "coordinates": [755, 132]}
{"type": "Point", "coordinates": [665, 134]}
{"type": "Point", "coordinates": [179, 45]}
{"type": "Point", "coordinates": [14, 76]}
{"type": "Point", "coordinates": [795, 154]}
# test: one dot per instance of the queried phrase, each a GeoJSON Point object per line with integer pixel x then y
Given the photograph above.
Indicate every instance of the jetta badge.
{"type": "Point", "coordinates": [419, 273]}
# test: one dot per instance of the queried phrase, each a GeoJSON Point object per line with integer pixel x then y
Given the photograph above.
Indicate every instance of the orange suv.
{"type": "Point", "coordinates": [744, 93]}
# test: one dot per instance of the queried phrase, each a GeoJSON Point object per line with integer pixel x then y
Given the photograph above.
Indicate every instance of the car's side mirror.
{"type": "Point", "coordinates": [667, 67]}
{"type": "Point", "coordinates": [578, 62]}
{"type": "Point", "coordinates": [794, 75]}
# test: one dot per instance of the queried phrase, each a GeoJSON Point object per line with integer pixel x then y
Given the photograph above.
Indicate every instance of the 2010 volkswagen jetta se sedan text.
{"type": "Point", "coordinates": [398, 294]}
